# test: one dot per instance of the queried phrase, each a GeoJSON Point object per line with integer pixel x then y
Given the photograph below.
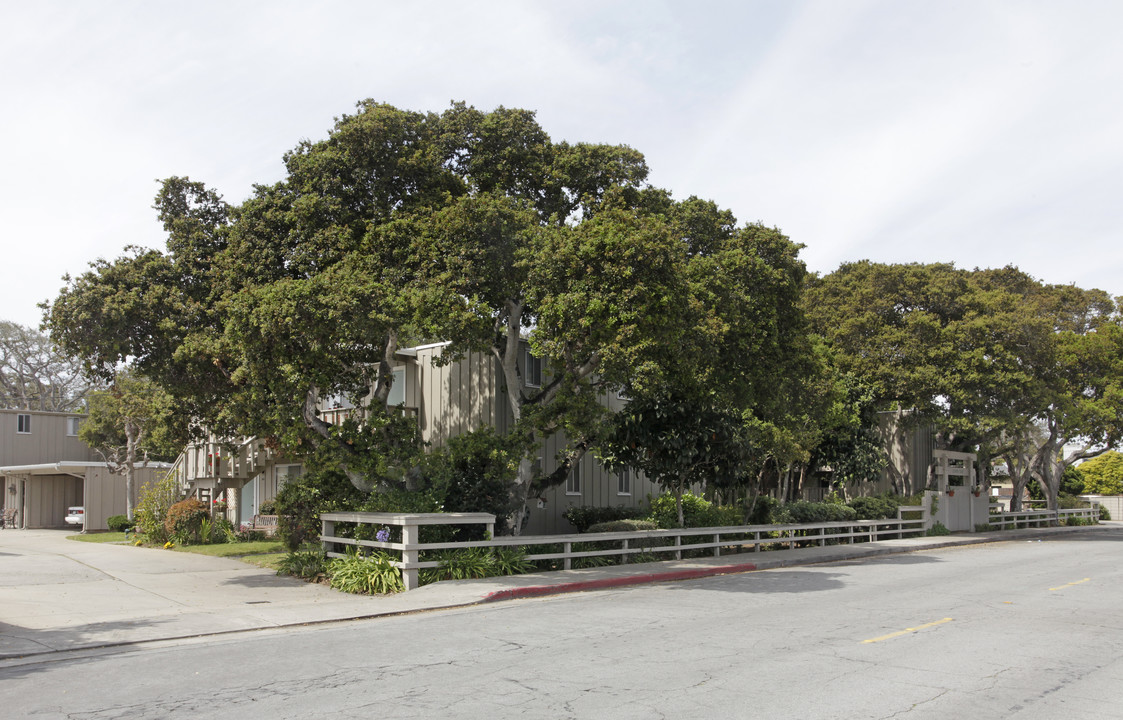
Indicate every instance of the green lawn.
{"type": "Point", "coordinates": [99, 537]}
{"type": "Point", "coordinates": [257, 547]}
{"type": "Point", "coordinates": [263, 553]}
{"type": "Point", "coordinates": [269, 561]}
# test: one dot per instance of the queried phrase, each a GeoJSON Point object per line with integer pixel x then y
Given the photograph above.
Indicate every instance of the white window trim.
{"type": "Point", "coordinates": [625, 473]}
{"type": "Point", "coordinates": [527, 358]}
{"type": "Point", "coordinates": [573, 478]}
{"type": "Point", "coordinates": [20, 421]}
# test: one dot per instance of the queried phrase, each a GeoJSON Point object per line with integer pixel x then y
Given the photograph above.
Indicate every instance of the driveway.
{"type": "Point", "coordinates": [58, 594]}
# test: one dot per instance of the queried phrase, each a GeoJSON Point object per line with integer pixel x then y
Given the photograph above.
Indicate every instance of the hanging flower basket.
{"type": "Point", "coordinates": [951, 493]}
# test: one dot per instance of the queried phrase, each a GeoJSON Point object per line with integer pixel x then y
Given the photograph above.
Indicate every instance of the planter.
{"type": "Point", "coordinates": [951, 493]}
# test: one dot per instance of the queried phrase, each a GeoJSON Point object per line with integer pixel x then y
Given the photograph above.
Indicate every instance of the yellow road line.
{"type": "Point", "coordinates": [906, 631]}
{"type": "Point", "coordinates": [1062, 587]}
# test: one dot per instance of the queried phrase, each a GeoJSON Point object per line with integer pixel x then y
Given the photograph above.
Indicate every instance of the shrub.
{"type": "Point", "coordinates": [1068, 502]}
{"type": "Point", "coordinates": [583, 517]}
{"type": "Point", "coordinates": [478, 471]}
{"type": "Point", "coordinates": [696, 512]}
{"type": "Point", "coordinates": [877, 507]}
{"type": "Point", "coordinates": [622, 526]}
{"type": "Point", "coordinates": [511, 561]}
{"type": "Point", "coordinates": [184, 521]}
{"type": "Point", "coordinates": [301, 500]}
{"type": "Point", "coordinates": [802, 511]}
{"type": "Point", "coordinates": [119, 523]}
{"type": "Point", "coordinates": [153, 505]}
{"type": "Point", "coordinates": [307, 564]}
{"type": "Point", "coordinates": [1104, 514]}
{"type": "Point", "coordinates": [267, 508]}
{"type": "Point", "coordinates": [216, 532]}
{"type": "Point", "coordinates": [365, 574]}
{"type": "Point", "coordinates": [463, 564]}
{"type": "Point", "coordinates": [762, 510]}
{"type": "Point", "coordinates": [938, 529]}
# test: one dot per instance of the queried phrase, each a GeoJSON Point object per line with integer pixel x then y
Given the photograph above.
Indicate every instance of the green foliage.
{"type": "Point", "coordinates": [583, 517]}
{"type": "Point", "coordinates": [1103, 474]}
{"type": "Point", "coordinates": [480, 474]}
{"type": "Point", "coordinates": [876, 507]}
{"type": "Point", "coordinates": [1072, 481]}
{"type": "Point", "coordinates": [696, 511]}
{"type": "Point", "coordinates": [469, 563]}
{"type": "Point", "coordinates": [306, 564]}
{"type": "Point", "coordinates": [365, 574]}
{"type": "Point", "coordinates": [153, 505]}
{"type": "Point", "coordinates": [1105, 515]}
{"type": "Point", "coordinates": [301, 500]}
{"type": "Point", "coordinates": [510, 561]}
{"type": "Point", "coordinates": [405, 501]}
{"type": "Point", "coordinates": [184, 520]}
{"type": "Point", "coordinates": [938, 529]}
{"type": "Point", "coordinates": [762, 510]}
{"type": "Point", "coordinates": [622, 526]}
{"type": "Point", "coordinates": [802, 511]}
{"type": "Point", "coordinates": [679, 442]}
{"type": "Point", "coordinates": [216, 532]}
{"type": "Point", "coordinates": [119, 523]}
{"type": "Point", "coordinates": [462, 564]}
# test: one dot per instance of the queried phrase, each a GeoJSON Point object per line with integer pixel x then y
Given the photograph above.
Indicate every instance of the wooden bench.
{"type": "Point", "coordinates": [265, 524]}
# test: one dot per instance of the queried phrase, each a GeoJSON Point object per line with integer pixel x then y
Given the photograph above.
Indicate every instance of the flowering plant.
{"type": "Point", "coordinates": [219, 505]}
{"type": "Point", "coordinates": [383, 535]}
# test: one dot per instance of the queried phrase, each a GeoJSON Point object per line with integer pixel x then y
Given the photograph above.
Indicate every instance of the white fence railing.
{"type": "Point", "coordinates": [651, 543]}
{"type": "Point", "coordinates": [1039, 518]}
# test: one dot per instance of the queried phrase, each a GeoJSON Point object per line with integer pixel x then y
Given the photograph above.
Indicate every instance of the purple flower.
{"type": "Point", "coordinates": [382, 535]}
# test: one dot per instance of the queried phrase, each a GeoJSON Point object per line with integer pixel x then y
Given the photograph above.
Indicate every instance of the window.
{"type": "Point", "coordinates": [624, 482]}
{"type": "Point", "coordinates": [573, 482]}
{"type": "Point", "coordinates": [397, 394]}
{"type": "Point", "coordinates": [286, 473]}
{"type": "Point", "coordinates": [72, 427]}
{"type": "Point", "coordinates": [23, 424]}
{"type": "Point", "coordinates": [533, 369]}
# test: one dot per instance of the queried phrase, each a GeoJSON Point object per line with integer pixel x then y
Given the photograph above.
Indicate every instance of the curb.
{"type": "Point", "coordinates": [582, 585]}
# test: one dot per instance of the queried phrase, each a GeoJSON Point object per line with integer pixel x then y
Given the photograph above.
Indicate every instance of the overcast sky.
{"type": "Point", "coordinates": [981, 133]}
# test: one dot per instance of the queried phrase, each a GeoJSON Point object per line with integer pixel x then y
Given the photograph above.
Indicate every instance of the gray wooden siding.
{"type": "Point", "coordinates": [47, 442]}
{"type": "Point", "coordinates": [46, 498]}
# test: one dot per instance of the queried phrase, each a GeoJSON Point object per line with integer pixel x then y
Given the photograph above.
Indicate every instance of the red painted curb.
{"type": "Point", "coordinates": [540, 590]}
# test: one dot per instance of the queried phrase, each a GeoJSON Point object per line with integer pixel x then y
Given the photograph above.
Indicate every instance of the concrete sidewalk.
{"type": "Point", "coordinates": [59, 595]}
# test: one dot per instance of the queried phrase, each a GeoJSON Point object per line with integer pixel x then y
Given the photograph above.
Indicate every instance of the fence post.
{"type": "Point", "coordinates": [567, 548]}
{"type": "Point", "coordinates": [717, 548]}
{"type": "Point", "coordinates": [410, 536]}
{"type": "Point", "coordinates": [756, 541]}
{"type": "Point", "coordinates": [327, 529]}
{"type": "Point", "coordinates": [624, 557]}
{"type": "Point", "coordinates": [678, 543]}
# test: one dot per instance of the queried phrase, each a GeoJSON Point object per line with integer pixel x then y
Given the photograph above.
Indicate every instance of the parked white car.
{"type": "Point", "coordinates": [75, 515]}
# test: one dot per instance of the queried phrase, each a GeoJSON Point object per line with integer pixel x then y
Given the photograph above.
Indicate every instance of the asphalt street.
{"type": "Point", "coordinates": [1020, 629]}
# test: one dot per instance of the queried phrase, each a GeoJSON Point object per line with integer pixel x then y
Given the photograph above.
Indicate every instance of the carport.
{"type": "Point", "coordinates": [40, 494]}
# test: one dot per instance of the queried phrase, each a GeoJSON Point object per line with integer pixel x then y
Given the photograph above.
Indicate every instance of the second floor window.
{"type": "Point", "coordinates": [72, 427]}
{"type": "Point", "coordinates": [23, 424]}
{"type": "Point", "coordinates": [533, 369]}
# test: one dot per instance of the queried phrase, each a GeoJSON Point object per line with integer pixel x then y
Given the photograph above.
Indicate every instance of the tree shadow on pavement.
{"type": "Point", "coordinates": [49, 644]}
